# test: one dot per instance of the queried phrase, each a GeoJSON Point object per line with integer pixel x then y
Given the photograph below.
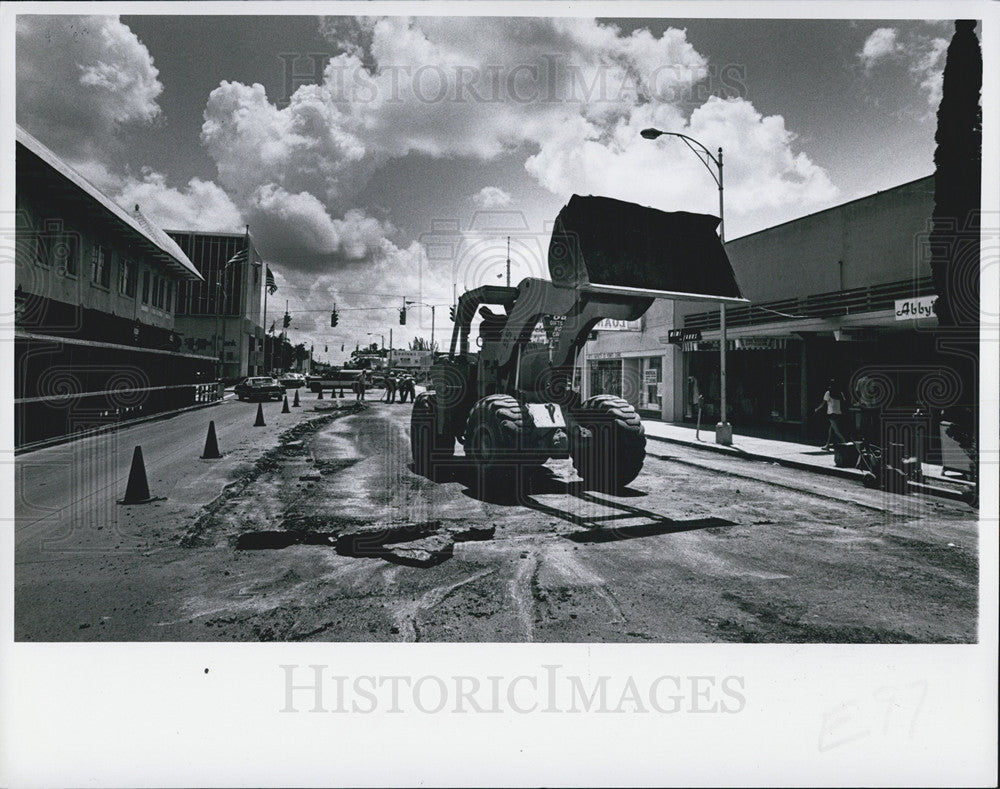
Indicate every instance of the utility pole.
{"type": "Point", "coordinates": [508, 261]}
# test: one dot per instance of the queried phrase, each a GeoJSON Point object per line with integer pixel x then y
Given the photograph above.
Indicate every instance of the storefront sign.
{"type": "Point", "coordinates": [911, 309]}
{"type": "Point", "coordinates": [677, 336]}
{"type": "Point", "coordinates": [612, 324]}
{"type": "Point", "coordinates": [607, 355]}
{"type": "Point", "coordinates": [652, 377]}
{"type": "Point", "coordinates": [411, 358]}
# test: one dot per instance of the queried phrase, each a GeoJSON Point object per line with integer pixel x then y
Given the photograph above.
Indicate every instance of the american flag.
{"type": "Point", "coordinates": [269, 280]}
{"type": "Point", "coordinates": [239, 257]}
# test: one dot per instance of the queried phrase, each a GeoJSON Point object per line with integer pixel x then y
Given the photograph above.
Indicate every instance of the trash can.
{"type": "Point", "coordinates": [845, 455]}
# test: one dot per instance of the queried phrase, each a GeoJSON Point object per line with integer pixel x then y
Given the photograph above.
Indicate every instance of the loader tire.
{"type": "Point", "coordinates": [493, 432]}
{"type": "Point", "coordinates": [608, 443]}
{"type": "Point", "coordinates": [428, 448]}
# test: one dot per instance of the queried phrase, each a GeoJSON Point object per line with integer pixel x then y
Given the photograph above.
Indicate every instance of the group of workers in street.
{"type": "Point", "coordinates": [403, 384]}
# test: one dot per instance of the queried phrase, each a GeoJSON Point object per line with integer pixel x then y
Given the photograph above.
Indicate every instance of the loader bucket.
{"type": "Point", "coordinates": [604, 245]}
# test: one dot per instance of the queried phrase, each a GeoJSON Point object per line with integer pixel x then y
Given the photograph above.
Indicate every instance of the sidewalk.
{"type": "Point", "coordinates": [787, 453]}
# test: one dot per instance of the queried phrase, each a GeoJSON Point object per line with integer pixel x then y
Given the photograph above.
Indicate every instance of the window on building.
{"type": "Point", "coordinates": [58, 250]}
{"type": "Point", "coordinates": [100, 267]}
{"type": "Point", "coordinates": [157, 291]}
{"type": "Point", "coordinates": [127, 278]}
{"type": "Point", "coordinates": [70, 258]}
{"type": "Point", "coordinates": [145, 286]}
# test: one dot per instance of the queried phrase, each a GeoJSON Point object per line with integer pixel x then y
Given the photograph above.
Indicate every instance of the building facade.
{"type": "Point", "coordinates": [221, 315]}
{"type": "Point", "coordinates": [845, 293]}
{"type": "Point", "coordinates": [95, 292]}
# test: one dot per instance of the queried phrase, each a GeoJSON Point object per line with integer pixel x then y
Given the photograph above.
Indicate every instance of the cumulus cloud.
{"type": "Point", "coordinates": [569, 94]}
{"type": "Point", "coordinates": [491, 197]}
{"type": "Point", "coordinates": [297, 227]}
{"type": "Point", "coordinates": [81, 79]}
{"type": "Point", "coordinates": [923, 56]}
{"type": "Point", "coordinates": [928, 68]}
{"type": "Point", "coordinates": [201, 205]}
{"type": "Point", "coordinates": [880, 44]}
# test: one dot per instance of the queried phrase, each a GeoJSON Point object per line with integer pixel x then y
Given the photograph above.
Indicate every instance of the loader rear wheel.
{"type": "Point", "coordinates": [428, 447]}
{"type": "Point", "coordinates": [608, 443]}
{"type": "Point", "coordinates": [493, 432]}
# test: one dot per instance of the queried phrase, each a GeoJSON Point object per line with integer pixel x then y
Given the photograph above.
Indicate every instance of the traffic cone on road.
{"type": "Point", "coordinates": [320, 393]}
{"type": "Point", "coordinates": [284, 408]}
{"type": "Point", "coordinates": [295, 402]}
{"type": "Point", "coordinates": [211, 451]}
{"type": "Point", "coordinates": [137, 491]}
{"type": "Point", "coordinates": [260, 416]}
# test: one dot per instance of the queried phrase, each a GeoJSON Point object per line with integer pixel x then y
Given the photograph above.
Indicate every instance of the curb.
{"type": "Point", "coordinates": [832, 471]}
{"type": "Point", "coordinates": [843, 473]}
{"type": "Point", "coordinates": [110, 428]}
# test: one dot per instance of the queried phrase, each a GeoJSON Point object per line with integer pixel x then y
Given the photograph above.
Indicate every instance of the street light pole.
{"type": "Point", "coordinates": [723, 430]}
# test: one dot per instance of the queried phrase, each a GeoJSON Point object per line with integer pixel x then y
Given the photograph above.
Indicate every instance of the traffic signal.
{"type": "Point", "coordinates": [286, 321]}
{"type": "Point", "coordinates": [333, 318]}
{"type": "Point", "coordinates": [402, 317]}
{"type": "Point", "coordinates": [451, 313]}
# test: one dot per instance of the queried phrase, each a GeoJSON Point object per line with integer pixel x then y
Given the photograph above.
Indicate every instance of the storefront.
{"type": "Point", "coordinates": [605, 376]}
{"type": "Point", "coordinates": [765, 384]}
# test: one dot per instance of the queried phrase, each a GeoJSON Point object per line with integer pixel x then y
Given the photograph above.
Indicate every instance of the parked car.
{"type": "Point", "coordinates": [292, 380]}
{"type": "Point", "coordinates": [259, 388]}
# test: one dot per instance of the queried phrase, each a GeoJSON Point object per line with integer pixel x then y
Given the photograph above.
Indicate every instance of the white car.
{"type": "Point", "coordinates": [293, 380]}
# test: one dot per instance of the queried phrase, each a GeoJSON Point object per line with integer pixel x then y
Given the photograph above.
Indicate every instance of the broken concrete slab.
{"type": "Point", "coordinates": [367, 540]}
{"type": "Point", "coordinates": [425, 552]}
{"type": "Point", "coordinates": [471, 533]}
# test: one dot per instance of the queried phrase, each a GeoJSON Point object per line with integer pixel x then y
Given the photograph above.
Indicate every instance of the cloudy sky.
{"type": "Point", "coordinates": [355, 148]}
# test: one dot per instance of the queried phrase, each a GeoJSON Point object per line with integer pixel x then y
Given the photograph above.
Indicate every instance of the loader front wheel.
{"type": "Point", "coordinates": [428, 447]}
{"type": "Point", "coordinates": [493, 432]}
{"type": "Point", "coordinates": [608, 443]}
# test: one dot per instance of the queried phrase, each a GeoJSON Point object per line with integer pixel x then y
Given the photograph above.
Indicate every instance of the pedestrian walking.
{"type": "Point", "coordinates": [834, 402]}
{"type": "Point", "coordinates": [362, 383]}
{"type": "Point", "coordinates": [390, 388]}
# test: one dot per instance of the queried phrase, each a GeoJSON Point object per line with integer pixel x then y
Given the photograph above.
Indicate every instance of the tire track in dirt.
{"type": "Point", "coordinates": [405, 617]}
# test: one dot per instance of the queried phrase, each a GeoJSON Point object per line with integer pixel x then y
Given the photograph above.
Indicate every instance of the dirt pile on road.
{"type": "Point", "coordinates": [290, 445]}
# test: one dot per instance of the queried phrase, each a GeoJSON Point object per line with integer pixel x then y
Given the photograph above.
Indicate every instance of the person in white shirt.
{"type": "Point", "coordinates": [834, 402]}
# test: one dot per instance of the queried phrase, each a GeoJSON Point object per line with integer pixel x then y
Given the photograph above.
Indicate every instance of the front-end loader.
{"type": "Point", "coordinates": [512, 403]}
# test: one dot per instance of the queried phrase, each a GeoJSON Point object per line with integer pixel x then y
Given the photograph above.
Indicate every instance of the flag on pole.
{"type": "Point", "coordinates": [239, 257]}
{"type": "Point", "coordinates": [269, 279]}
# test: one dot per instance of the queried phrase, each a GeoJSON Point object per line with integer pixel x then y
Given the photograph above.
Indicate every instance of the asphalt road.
{"type": "Point", "coordinates": [699, 548]}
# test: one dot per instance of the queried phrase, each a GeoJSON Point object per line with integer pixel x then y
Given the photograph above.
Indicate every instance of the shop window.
{"type": "Point", "coordinates": [650, 393]}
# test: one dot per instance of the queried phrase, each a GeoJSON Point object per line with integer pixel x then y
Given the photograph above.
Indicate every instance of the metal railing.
{"type": "Point", "coordinates": [821, 305]}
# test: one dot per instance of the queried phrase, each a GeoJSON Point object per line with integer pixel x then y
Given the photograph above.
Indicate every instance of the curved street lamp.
{"type": "Point", "coordinates": [723, 430]}
{"type": "Point", "coordinates": [433, 308]}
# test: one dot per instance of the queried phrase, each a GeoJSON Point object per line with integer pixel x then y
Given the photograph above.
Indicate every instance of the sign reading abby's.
{"type": "Point", "coordinates": [910, 309]}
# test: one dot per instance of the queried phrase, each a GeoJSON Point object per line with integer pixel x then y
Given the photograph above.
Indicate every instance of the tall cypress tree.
{"type": "Point", "coordinates": [956, 225]}
{"type": "Point", "coordinates": [957, 181]}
